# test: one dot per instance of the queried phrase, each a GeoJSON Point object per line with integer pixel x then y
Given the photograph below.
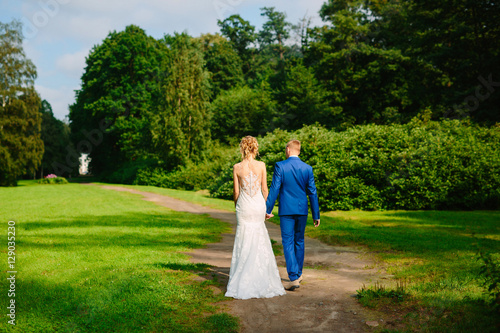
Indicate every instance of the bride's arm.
{"type": "Point", "coordinates": [236, 189]}
{"type": "Point", "coordinates": [263, 182]}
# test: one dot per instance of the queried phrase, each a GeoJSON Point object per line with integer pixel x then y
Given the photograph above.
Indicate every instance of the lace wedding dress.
{"type": "Point", "coordinates": [254, 272]}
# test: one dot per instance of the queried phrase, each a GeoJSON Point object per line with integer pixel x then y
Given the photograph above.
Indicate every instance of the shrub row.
{"type": "Point", "coordinates": [54, 180]}
{"type": "Point", "coordinates": [432, 165]}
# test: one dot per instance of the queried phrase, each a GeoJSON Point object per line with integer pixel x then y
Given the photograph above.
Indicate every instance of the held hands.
{"type": "Point", "coordinates": [268, 216]}
{"type": "Point", "coordinates": [316, 223]}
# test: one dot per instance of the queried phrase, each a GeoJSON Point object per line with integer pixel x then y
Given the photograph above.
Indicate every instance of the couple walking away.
{"type": "Point", "coordinates": [254, 272]}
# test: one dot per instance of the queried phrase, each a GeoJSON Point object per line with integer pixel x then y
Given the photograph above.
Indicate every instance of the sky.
{"type": "Point", "coordinates": [59, 34]}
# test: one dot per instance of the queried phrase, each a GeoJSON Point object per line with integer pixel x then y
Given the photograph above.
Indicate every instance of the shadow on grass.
{"type": "Point", "coordinates": [130, 304]}
{"type": "Point", "coordinates": [413, 232]}
{"type": "Point", "coordinates": [184, 267]}
{"type": "Point", "coordinates": [127, 230]}
{"type": "Point", "coordinates": [436, 251]}
{"type": "Point", "coordinates": [96, 273]}
{"type": "Point", "coordinates": [472, 221]}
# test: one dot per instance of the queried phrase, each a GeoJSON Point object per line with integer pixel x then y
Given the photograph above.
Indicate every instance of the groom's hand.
{"type": "Point", "coordinates": [316, 223]}
{"type": "Point", "coordinates": [268, 216]}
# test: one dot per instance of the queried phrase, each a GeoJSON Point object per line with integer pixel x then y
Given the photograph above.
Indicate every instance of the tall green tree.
{"type": "Point", "coordinates": [223, 63]}
{"type": "Point", "coordinates": [242, 35]}
{"type": "Point", "coordinates": [243, 111]}
{"type": "Point", "coordinates": [109, 118]}
{"type": "Point", "coordinates": [56, 139]}
{"type": "Point", "coordinates": [462, 39]}
{"type": "Point", "coordinates": [386, 61]}
{"type": "Point", "coordinates": [21, 147]}
{"type": "Point", "coordinates": [368, 81]}
{"type": "Point", "coordinates": [275, 31]}
{"type": "Point", "coordinates": [180, 122]}
{"type": "Point", "coordinates": [302, 100]}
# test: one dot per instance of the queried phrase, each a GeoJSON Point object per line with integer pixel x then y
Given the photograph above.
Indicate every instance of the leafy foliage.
{"type": "Point", "coordinates": [180, 122]}
{"type": "Point", "coordinates": [438, 165]}
{"type": "Point", "coordinates": [490, 270]}
{"type": "Point", "coordinates": [275, 31]}
{"type": "Point", "coordinates": [241, 35]}
{"type": "Point", "coordinates": [223, 63]}
{"type": "Point", "coordinates": [21, 147]}
{"type": "Point", "coordinates": [242, 111]}
{"type": "Point", "coordinates": [111, 110]}
{"type": "Point", "coordinates": [56, 140]}
{"type": "Point", "coordinates": [395, 66]}
{"type": "Point", "coordinates": [55, 180]}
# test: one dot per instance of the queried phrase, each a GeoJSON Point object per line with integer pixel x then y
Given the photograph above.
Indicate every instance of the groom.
{"type": "Point", "coordinates": [293, 180]}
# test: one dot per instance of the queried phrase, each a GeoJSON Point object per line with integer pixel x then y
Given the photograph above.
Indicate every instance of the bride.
{"type": "Point", "coordinates": [253, 272]}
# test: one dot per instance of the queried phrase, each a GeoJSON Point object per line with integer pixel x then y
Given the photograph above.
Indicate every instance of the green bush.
{"type": "Point", "coordinates": [431, 165]}
{"type": "Point", "coordinates": [192, 176]}
{"type": "Point", "coordinates": [438, 165]}
{"type": "Point", "coordinates": [55, 180]}
{"type": "Point", "coordinates": [127, 172]}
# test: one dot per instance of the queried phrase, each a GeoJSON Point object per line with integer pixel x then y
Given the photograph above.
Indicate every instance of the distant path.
{"type": "Point", "coordinates": [323, 303]}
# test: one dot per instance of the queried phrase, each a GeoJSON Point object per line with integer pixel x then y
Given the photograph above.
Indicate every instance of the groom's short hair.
{"type": "Point", "coordinates": [294, 145]}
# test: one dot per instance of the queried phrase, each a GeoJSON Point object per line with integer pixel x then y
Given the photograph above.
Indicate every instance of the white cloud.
{"type": "Point", "coordinates": [72, 64]}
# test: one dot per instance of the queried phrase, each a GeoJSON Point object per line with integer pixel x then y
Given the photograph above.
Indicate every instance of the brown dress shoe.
{"type": "Point", "coordinates": [292, 285]}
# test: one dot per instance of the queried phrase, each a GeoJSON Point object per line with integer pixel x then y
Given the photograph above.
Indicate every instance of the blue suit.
{"type": "Point", "coordinates": [293, 181]}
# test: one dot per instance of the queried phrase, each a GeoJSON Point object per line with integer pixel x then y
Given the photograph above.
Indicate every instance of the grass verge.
{"type": "Point", "coordinates": [433, 256]}
{"type": "Point", "coordinates": [93, 260]}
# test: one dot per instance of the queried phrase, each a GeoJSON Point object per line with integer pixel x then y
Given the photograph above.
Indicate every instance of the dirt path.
{"type": "Point", "coordinates": [323, 303]}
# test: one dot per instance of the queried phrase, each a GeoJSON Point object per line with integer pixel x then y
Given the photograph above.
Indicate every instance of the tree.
{"type": "Point", "coordinates": [242, 111]}
{"type": "Point", "coordinates": [109, 118]}
{"type": "Point", "coordinates": [56, 138]}
{"type": "Point", "coordinates": [386, 61]}
{"type": "Point", "coordinates": [275, 31]}
{"type": "Point", "coordinates": [180, 122]}
{"type": "Point", "coordinates": [241, 34]}
{"type": "Point", "coordinates": [222, 61]}
{"type": "Point", "coordinates": [302, 100]}
{"type": "Point", "coordinates": [21, 147]}
{"type": "Point", "coordinates": [302, 30]}
{"type": "Point", "coordinates": [369, 81]}
{"type": "Point", "coordinates": [462, 39]}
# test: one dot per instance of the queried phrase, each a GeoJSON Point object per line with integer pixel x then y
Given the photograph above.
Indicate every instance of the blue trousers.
{"type": "Point", "coordinates": [292, 238]}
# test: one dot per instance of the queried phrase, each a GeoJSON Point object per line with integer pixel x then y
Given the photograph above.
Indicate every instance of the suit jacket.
{"type": "Point", "coordinates": [293, 181]}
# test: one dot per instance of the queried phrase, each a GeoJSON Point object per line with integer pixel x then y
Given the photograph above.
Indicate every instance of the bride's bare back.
{"type": "Point", "coordinates": [250, 176]}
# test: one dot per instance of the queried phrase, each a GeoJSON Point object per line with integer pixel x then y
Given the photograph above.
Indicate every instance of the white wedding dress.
{"type": "Point", "coordinates": [254, 272]}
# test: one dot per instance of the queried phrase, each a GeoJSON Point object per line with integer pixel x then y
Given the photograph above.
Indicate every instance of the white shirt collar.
{"type": "Point", "coordinates": [293, 156]}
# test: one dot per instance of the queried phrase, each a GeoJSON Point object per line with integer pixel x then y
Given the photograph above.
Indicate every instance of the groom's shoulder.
{"type": "Point", "coordinates": [295, 162]}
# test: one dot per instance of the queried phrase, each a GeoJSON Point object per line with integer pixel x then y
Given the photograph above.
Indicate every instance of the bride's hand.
{"type": "Point", "coordinates": [268, 216]}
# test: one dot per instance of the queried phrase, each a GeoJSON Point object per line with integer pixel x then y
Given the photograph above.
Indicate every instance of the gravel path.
{"type": "Point", "coordinates": [323, 303]}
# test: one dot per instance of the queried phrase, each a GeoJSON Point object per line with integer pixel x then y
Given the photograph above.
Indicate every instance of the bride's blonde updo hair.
{"type": "Point", "coordinates": [249, 146]}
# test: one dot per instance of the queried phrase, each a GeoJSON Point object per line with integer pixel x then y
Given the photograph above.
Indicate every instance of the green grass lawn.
{"type": "Point", "coordinates": [434, 254]}
{"type": "Point", "coordinates": [200, 197]}
{"type": "Point", "coordinates": [94, 260]}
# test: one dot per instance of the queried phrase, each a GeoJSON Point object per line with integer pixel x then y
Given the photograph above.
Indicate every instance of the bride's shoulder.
{"type": "Point", "coordinates": [261, 165]}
